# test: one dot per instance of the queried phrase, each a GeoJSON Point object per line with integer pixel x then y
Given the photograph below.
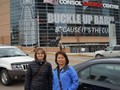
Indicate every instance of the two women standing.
{"type": "Point", "coordinates": [39, 75]}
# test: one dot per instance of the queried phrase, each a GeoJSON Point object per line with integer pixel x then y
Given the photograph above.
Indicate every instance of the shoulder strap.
{"type": "Point", "coordinates": [58, 74]}
{"type": "Point", "coordinates": [38, 71]}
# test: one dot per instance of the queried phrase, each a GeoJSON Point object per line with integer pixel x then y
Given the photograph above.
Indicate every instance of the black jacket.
{"type": "Point", "coordinates": [43, 80]}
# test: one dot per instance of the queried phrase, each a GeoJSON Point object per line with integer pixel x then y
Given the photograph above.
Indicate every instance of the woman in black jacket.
{"type": "Point", "coordinates": [39, 73]}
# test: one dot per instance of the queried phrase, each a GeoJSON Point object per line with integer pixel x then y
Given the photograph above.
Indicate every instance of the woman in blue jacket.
{"type": "Point", "coordinates": [64, 76]}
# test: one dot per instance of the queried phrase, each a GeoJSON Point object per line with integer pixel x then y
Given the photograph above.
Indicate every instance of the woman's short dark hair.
{"type": "Point", "coordinates": [64, 54]}
{"type": "Point", "coordinates": [43, 51]}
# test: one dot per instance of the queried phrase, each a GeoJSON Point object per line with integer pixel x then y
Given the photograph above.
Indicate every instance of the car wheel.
{"type": "Point", "coordinates": [99, 56]}
{"type": "Point", "coordinates": [5, 77]}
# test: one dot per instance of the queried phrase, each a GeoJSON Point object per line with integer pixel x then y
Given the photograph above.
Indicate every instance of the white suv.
{"type": "Point", "coordinates": [13, 64]}
{"type": "Point", "coordinates": [108, 52]}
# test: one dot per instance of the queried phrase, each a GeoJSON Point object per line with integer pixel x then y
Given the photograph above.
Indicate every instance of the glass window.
{"type": "Point", "coordinates": [109, 48]}
{"type": "Point", "coordinates": [117, 48]}
{"type": "Point", "coordinates": [84, 74]}
{"type": "Point", "coordinates": [41, 9]}
{"type": "Point", "coordinates": [108, 73]}
{"type": "Point", "coordinates": [9, 52]}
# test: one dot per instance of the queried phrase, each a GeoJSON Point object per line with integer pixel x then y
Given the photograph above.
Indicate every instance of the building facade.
{"type": "Point", "coordinates": [5, 22]}
{"type": "Point", "coordinates": [81, 25]}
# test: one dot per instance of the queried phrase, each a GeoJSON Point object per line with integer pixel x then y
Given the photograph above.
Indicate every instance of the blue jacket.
{"type": "Point", "coordinates": [68, 78]}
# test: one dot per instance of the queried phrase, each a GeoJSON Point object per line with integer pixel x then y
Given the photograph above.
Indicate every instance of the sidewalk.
{"type": "Point", "coordinates": [77, 54]}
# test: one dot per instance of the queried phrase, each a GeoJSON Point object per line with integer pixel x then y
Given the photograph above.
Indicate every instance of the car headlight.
{"type": "Point", "coordinates": [16, 67]}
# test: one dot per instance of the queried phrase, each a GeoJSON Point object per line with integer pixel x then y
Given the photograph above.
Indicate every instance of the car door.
{"type": "Point", "coordinates": [88, 84]}
{"type": "Point", "coordinates": [100, 77]}
{"type": "Point", "coordinates": [108, 52]}
{"type": "Point", "coordinates": [116, 51]}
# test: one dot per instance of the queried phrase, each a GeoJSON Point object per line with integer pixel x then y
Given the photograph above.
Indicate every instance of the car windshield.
{"type": "Point", "coordinates": [11, 52]}
{"type": "Point", "coordinates": [109, 48]}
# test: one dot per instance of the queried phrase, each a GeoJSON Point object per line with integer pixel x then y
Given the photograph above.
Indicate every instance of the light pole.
{"type": "Point", "coordinates": [38, 28]}
{"type": "Point", "coordinates": [112, 34]}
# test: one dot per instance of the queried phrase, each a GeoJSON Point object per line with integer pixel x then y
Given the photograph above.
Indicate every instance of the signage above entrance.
{"type": "Point", "coordinates": [63, 18]}
{"type": "Point", "coordinates": [84, 3]}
